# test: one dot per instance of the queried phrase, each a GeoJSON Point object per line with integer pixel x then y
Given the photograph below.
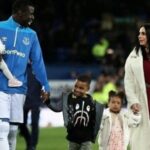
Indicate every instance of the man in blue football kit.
{"type": "Point", "coordinates": [22, 45]}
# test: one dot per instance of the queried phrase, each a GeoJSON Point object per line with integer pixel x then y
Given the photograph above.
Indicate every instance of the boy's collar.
{"type": "Point", "coordinates": [74, 96]}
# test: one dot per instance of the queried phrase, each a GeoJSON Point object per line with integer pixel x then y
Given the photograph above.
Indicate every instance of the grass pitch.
{"type": "Point", "coordinates": [49, 139]}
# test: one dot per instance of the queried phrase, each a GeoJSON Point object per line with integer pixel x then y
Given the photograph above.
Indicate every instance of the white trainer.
{"type": "Point", "coordinates": [14, 83]}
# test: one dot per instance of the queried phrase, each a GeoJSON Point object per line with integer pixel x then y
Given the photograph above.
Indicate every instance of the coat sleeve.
{"type": "Point", "coordinates": [100, 133]}
{"type": "Point", "coordinates": [99, 108]}
{"type": "Point", "coordinates": [54, 105]}
{"type": "Point", "coordinates": [129, 84]}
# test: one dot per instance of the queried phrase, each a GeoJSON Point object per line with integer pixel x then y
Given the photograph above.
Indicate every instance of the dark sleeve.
{"type": "Point", "coordinates": [55, 104]}
{"type": "Point", "coordinates": [99, 108]}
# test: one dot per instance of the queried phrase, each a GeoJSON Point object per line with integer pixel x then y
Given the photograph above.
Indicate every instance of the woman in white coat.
{"type": "Point", "coordinates": [137, 88]}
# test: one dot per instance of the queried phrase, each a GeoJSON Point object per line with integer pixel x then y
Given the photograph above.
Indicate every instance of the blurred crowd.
{"type": "Point", "coordinates": [86, 32]}
{"type": "Point", "coordinates": [105, 83]}
{"type": "Point", "coordinates": [69, 29]}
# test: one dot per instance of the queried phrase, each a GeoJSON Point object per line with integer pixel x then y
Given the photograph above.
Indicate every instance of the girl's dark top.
{"type": "Point", "coordinates": [146, 66]}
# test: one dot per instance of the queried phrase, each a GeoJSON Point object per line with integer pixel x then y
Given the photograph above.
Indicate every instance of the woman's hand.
{"type": "Point", "coordinates": [136, 108]}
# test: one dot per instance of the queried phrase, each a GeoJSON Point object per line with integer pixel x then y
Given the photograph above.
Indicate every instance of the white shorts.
{"type": "Point", "coordinates": [11, 107]}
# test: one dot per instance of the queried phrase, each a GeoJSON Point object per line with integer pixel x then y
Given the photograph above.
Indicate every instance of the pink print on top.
{"type": "Point", "coordinates": [116, 136]}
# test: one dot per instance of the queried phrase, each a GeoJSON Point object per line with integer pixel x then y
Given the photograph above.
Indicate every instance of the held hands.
{"type": "Point", "coordinates": [136, 108]}
{"type": "Point", "coordinates": [134, 119]}
{"type": "Point", "coordinates": [45, 96]}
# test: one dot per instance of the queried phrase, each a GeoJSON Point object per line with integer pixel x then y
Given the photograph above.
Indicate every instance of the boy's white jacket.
{"type": "Point", "coordinates": [106, 125]}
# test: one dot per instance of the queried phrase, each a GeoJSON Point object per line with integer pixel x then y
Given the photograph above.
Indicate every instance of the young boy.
{"type": "Point", "coordinates": [82, 115]}
{"type": "Point", "coordinates": [12, 81]}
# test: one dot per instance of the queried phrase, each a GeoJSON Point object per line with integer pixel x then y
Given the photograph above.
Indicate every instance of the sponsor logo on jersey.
{"type": "Point", "coordinates": [14, 52]}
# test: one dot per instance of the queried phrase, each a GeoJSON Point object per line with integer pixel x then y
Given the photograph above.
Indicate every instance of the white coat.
{"type": "Point", "coordinates": [135, 90]}
{"type": "Point", "coordinates": [105, 129]}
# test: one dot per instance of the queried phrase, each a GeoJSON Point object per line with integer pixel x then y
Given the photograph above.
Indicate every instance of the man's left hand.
{"type": "Point", "coordinates": [45, 95]}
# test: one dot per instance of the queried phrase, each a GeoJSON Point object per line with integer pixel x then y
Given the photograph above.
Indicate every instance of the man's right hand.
{"type": "Point", "coordinates": [45, 96]}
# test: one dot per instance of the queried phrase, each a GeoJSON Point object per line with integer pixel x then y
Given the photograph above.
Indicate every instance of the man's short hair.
{"type": "Point", "coordinates": [21, 5]}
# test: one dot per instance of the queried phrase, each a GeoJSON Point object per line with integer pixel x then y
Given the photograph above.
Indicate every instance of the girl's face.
{"type": "Point", "coordinates": [80, 88]}
{"type": "Point", "coordinates": [115, 104]}
{"type": "Point", "coordinates": [142, 37]}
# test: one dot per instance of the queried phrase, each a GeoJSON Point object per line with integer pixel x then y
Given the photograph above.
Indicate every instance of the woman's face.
{"type": "Point", "coordinates": [142, 37]}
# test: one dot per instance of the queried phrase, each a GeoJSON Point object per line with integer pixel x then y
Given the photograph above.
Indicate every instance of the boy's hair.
{"type": "Point", "coordinates": [20, 5]}
{"type": "Point", "coordinates": [85, 78]}
{"type": "Point", "coordinates": [119, 94]}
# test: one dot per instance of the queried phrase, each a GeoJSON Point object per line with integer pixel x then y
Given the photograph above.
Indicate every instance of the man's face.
{"type": "Point", "coordinates": [26, 17]}
{"type": "Point", "coordinates": [80, 88]}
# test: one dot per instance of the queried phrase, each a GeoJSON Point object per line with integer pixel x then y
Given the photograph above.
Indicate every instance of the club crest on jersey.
{"type": "Point", "coordinates": [26, 41]}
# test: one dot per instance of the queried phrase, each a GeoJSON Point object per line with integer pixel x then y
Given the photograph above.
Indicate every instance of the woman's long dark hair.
{"type": "Point", "coordinates": [138, 46]}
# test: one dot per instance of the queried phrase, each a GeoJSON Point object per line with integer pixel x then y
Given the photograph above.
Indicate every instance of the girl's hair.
{"type": "Point", "coordinates": [138, 46]}
{"type": "Point", "coordinates": [119, 94]}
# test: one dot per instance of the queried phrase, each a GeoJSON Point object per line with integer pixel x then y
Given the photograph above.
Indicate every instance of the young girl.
{"type": "Point", "coordinates": [12, 81]}
{"type": "Point", "coordinates": [115, 127]}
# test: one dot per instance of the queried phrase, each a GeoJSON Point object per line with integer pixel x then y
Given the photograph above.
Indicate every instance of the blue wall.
{"type": "Point", "coordinates": [68, 71]}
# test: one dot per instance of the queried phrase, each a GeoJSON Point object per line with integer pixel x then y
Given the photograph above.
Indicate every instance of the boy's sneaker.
{"type": "Point", "coordinates": [14, 83]}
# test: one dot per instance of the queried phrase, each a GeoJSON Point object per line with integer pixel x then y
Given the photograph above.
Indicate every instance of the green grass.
{"type": "Point", "coordinates": [49, 139]}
